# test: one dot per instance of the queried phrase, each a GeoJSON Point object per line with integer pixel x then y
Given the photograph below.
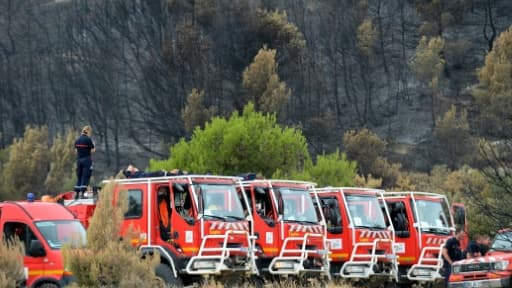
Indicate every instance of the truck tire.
{"type": "Point", "coordinates": [165, 274]}
{"type": "Point", "coordinates": [48, 285]}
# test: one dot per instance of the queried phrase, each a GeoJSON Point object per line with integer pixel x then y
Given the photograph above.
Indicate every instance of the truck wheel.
{"type": "Point", "coordinates": [164, 273]}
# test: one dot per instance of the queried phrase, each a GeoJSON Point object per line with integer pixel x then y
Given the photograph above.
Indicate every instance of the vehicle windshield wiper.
{"type": "Point", "coordinates": [214, 216]}
{"type": "Point", "coordinates": [309, 222]}
{"type": "Point", "coordinates": [235, 217]}
{"type": "Point", "coordinates": [438, 230]}
{"type": "Point", "coordinates": [374, 227]}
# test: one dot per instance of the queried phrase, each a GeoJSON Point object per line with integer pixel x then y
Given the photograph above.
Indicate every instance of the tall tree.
{"type": "Point", "coordinates": [494, 92]}
{"type": "Point", "coordinates": [428, 64]}
{"type": "Point", "coordinates": [453, 144]}
{"type": "Point", "coordinates": [195, 113]}
{"type": "Point", "coordinates": [251, 141]}
{"type": "Point", "coordinates": [262, 83]}
{"type": "Point", "coordinates": [27, 166]}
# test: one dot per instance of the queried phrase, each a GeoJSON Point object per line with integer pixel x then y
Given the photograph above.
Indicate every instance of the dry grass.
{"type": "Point", "coordinates": [11, 263]}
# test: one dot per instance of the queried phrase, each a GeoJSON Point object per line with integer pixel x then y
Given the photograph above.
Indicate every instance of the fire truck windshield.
{"type": "Point", "coordinates": [365, 211]}
{"type": "Point", "coordinates": [220, 201]}
{"type": "Point", "coordinates": [298, 205]}
{"type": "Point", "coordinates": [58, 232]}
{"type": "Point", "coordinates": [433, 215]}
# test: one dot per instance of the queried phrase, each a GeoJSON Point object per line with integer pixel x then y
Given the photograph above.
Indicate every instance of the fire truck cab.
{"type": "Point", "coordinates": [290, 234]}
{"type": "Point", "coordinates": [43, 228]}
{"type": "Point", "coordinates": [422, 222]}
{"type": "Point", "coordinates": [196, 223]}
{"type": "Point", "coordinates": [361, 239]}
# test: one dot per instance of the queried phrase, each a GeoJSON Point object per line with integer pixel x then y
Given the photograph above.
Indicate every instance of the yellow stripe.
{"type": "Point", "coordinates": [190, 249]}
{"type": "Point", "coordinates": [44, 272]}
{"type": "Point", "coordinates": [270, 250]}
{"type": "Point", "coordinates": [339, 255]}
{"type": "Point", "coordinates": [406, 259]}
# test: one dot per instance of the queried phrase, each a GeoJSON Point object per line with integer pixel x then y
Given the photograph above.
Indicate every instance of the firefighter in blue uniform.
{"type": "Point", "coordinates": [84, 148]}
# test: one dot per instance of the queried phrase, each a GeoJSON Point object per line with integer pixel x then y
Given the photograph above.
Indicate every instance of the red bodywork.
{"type": "Point", "coordinates": [491, 270]}
{"type": "Point", "coordinates": [42, 228]}
{"type": "Point", "coordinates": [361, 243]}
{"type": "Point", "coordinates": [201, 240]}
{"type": "Point", "coordinates": [422, 222]}
{"type": "Point", "coordinates": [290, 237]}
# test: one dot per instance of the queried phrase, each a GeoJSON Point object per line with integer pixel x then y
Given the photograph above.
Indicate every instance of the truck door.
{"type": "Point", "coordinates": [460, 220]}
{"type": "Point", "coordinates": [35, 253]}
{"type": "Point", "coordinates": [183, 219]}
{"type": "Point", "coordinates": [405, 235]}
{"type": "Point", "coordinates": [133, 216]}
{"type": "Point", "coordinates": [338, 240]}
{"type": "Point", "coordinates": [265, 220]}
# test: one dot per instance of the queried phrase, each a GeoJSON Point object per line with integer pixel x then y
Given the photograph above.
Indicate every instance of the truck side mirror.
{"type": "Point", "coordinates": [190, 220]}
{"type": "Point", "coordinates": [260, 190]}
{"type": "Point", "coordinates": [270, 222]}
{"type": "Point", "coordinates": [36, 249]}
{"type": "Point", "coordinates": [178, 187]}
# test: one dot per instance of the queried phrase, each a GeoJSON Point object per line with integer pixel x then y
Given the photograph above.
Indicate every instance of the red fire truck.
{"type": "Point", "coordinates": [491, 270]}
{"type": "Point", "coordinates": [361, 241]}
{"type": "Point", "coordinates": [290, 235]}
{"type": "Point", "coordinates": [42, 228]}
{"type": "Point", "coordinates": [209, 233]}
{"type": "Point", "coordinates": [422, 222]}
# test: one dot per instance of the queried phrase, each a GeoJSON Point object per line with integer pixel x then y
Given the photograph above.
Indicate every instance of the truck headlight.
{"type": "Point", "coordinates": [456, 269]}
{"type": "Point", "coordinates": [501, 265]}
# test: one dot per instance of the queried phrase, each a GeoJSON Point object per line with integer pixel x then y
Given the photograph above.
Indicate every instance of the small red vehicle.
{"type": "Point", "coordinates": [361, 240]}
{"type": "Point", "coordinates": [491, 270]}
{"type": "Point", "coordinates": [422, 223]}
{"type": "Point", "coordinates": [290, 235]}
{"type": "Point", "coordinates": [42, 228]}
{"type": "Point", "coordinates": [209, 231]}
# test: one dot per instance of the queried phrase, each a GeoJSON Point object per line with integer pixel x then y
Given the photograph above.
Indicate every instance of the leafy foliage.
{"type": "Point", "coordinates": [62, 161]}
{"type": "Point", "coordinates": [364, 147]}
{"type": "Point", "coordinates": [428, 62]}
{"type": "Point", "coordinates": [453, 143]}
{"type": "Point", "coordinates": [275, 30]}
{"type": "Point", "coordinates": [248, 142]}
{"type": "Point", "coordinates": [330, 170]}
{"type": "Point", "coordinates": [438, 15]}
{"type": "Point", "coordinates": [28, 162]}
{"type": "Point", "coordinates": [366, 37]}
{"type": "Point", "coordinates": [262, 83]}
{"type": "Point", "coordinates": [494, 94]}
{"type": "Point", "coordinates": [195, 113]}
{"type": "Point", "coordinates": [108, 261]}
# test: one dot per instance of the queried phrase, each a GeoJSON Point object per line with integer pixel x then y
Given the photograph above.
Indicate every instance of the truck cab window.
{"type": "Point", "coordinates": [19, 231]}
{"type": "Point", "coordinates": [134, 204]}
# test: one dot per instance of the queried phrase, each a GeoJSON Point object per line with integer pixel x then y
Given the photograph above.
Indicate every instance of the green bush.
{"type": "Point", "coordinates": [251, 142]}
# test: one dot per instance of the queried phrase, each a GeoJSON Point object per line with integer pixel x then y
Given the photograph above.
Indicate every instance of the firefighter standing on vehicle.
{"type": "Point", "coordinates": [84, 148]}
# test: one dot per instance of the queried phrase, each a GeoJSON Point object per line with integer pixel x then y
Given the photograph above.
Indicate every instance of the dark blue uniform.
{"type": "Point", "coordinates": [455, 253]}
{"type": "Point", "coordinates": [83, 146]}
